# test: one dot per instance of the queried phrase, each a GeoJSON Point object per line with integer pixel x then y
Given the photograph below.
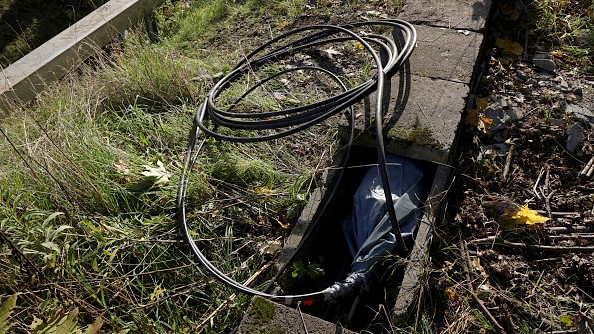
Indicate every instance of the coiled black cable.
{"type": "Point", "coordinates": [289, 121]}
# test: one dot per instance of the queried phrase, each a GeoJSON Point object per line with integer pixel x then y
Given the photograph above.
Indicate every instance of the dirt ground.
{"type": "Point", "coordinates": [528, 142]}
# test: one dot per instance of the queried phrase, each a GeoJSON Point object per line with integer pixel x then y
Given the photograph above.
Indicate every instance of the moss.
{"type": "Point", "coordinates": [419, 136]}
{"type": "Point", "coordinates": [262, 310]}
{"type": "Point", "coordinates": [261, 314]}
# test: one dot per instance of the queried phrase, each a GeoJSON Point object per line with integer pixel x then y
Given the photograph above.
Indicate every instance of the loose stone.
{"type": "Point", "coordinates": [541, 60]}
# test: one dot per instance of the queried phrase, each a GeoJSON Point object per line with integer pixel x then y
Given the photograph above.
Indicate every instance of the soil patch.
{"type": "Point", "coordinates": [528, 142]}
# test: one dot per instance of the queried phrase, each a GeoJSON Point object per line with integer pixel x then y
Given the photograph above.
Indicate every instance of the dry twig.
{"type": "Point", "coordinates": [479, 302]}
{"type": "Point", "coordinates": [535, 188]}
{"type": "Point", "coordinates": [555, 249]}
{"type": "Point", "coordinates": [508, 161]}
{"type": "Point", "coordinates": [589, 168]}
{"type": "Point", "coordinates": [207, 319]}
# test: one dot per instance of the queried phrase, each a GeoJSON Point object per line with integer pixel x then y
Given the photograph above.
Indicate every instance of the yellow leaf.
{"type": "Point", "coordinates": [523, 215]}
{"type": "Point", "coordinates": [157, 293]}
{"type": "Point", "coordinates": [509, 46]}
{"type": "Point", "coordinates": [5, 310]}
{"type": "Point", "coordinates": [485, 124]}
{"type": "Point", "coordinates": [265, 190]}
{"type": "Point", "coordinates": [487, 121]}
{"type": "Point", "coordinates": [358, 45]}
{"type": "Point", "coordinates": [95, 327]}
{"type": "Point", "coordinates": [491, 168]}
{"type": "Point", "coordinates": [566, 320]}
{"type": "Point", "coordinates": [452, 295]}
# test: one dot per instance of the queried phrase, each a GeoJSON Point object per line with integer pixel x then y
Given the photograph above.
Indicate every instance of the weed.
{"type": "Point", "coordinates": [89, 227]}
{"type": "Point", "coordinates": [568, 25]}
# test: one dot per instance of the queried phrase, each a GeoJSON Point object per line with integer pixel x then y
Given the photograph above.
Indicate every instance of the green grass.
{"type": "Point", "coordinates": [88, 237]}
{"type": "Point", "coordinates": [567, 28]}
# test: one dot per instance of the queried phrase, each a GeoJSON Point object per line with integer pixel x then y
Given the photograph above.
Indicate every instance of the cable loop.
{"type": "Point", "coordinates": [289, 121]}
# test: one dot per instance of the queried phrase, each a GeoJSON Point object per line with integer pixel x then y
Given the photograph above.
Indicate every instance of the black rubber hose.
{"type": "Point", "coordinates": [290, 121]}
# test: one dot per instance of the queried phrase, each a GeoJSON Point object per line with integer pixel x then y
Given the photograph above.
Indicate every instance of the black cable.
{"type": "Point", "coordinates": [289, 121]}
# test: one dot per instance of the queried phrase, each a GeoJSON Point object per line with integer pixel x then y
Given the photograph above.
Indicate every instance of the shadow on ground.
{"type": "Point", "coordinates": [26, 24]}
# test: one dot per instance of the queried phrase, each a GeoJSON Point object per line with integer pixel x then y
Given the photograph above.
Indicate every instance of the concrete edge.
{"type": "Point", "coordinates": [411, 282]}
{"type": "Point", "coordinates": [24, 79]}
{"type": "Point", "coordinates": [267, 317]}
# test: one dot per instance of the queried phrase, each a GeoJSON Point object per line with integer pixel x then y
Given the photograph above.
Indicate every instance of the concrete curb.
{"type": "Point", "coordinates": [266, 317]}
{"type": "Point", "coordinates": [458, 56]}
{"type": "Point", "coordinates": [28, 76]}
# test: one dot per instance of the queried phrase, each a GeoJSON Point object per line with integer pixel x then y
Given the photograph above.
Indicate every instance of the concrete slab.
{"type": "Point", "coordinates": [266, 317]}
{"type": "Point", "coordinates": [25, 78]}
{"type": "Point", "coordinates": [421, 119]}
{"type": "Point", "coordinates": [307, 216]}
{"type": "Point", "coordinates": [455, 14]}
{"type": "Point", "coordinates": [424, 103]}
{"type": "Point", "coordinates": [445, 54]}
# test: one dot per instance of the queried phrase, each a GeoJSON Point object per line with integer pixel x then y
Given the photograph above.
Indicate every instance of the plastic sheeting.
{"type": "Point", "coordinates": [368, 229]}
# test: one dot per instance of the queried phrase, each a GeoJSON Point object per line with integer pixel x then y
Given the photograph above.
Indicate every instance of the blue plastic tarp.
{"type": "Point", "coordinates": [368, 229]}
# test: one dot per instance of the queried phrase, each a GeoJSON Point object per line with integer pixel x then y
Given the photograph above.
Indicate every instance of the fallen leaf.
{"type": "Point", "coordinates": [561, 55]}
{"type": "Point", "coordinates": [509, 46]}
{"type": "Point", "coordinates": [487, 121]}
{"type": "Point", "coordinates": [121, 167]}
{"type": "Point", "coordinates": [157, 293]}
{"type": "Point", "coordinates": [160, 174]}
{"type": "Point", "coordinates": [485, 124]}
{"type": "Point", "coordinates": [5, 311]}
{"type": "Point", "coordinates": [265, 190]}
{"type": "Point", "coordinates": [330, 53]}
{"type": "Point", "coordinates": [566, 320]}
{"type": "Point", "coordinates": [95, 327]}
{"type": "Point", "coordinates": [452, 295]}
{"type": "Point", "coordinates": [490, 167]}
{"type": "Point", "coordinates": [523, 215]}
{"type": "Point", "coordinates": [358, 45]}
{"type": "Point", "coordinates": [279, 96]}
{"type": "Point", "coordinates": [270, 247]}
{"type": "Point", "coordinates": [60, 323]}
{"type": "Point", "coordinates": [484, 291]}
{"type": "Point", "coordinates": [476, 266]}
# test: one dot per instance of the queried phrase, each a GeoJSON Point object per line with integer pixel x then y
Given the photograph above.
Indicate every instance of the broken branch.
{"type": "Point", "coordinates": [510, 154]}
{"type": "Point", "coordinates": [479, 302]}
{"type": "Point", "coordinates": [555, 249]}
